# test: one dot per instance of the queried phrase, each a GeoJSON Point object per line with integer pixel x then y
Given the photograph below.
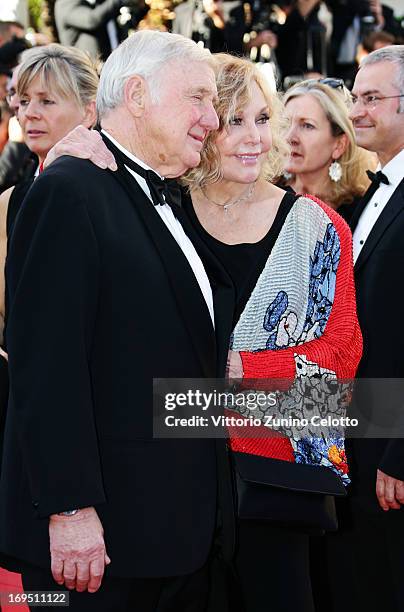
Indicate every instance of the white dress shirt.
{"type": "Point", "coordinates": [394, 171]}
{"type": "Point", "coordinates": [175, 228]}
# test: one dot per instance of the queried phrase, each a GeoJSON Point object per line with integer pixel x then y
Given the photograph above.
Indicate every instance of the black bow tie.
{"type": "Point", "coordinates": [162, 191]}
{"type": "Point", "coordinates": [377, 177]}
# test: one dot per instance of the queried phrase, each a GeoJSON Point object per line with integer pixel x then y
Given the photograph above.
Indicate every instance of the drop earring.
{"type": "Point", "coordinates": [335, 171]}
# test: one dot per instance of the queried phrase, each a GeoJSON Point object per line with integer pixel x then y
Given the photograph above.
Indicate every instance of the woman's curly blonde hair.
{"type": "Point", "coordinates": [234, 79]}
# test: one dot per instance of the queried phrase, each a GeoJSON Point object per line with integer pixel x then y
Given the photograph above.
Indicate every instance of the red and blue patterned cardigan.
{"type": "Point", "coordinates": [301, 316]}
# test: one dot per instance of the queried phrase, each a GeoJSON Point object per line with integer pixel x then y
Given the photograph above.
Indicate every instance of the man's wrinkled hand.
{"type": "Point", "coordinates": [389, 491]}
{"type": "Point", "coordinates": [86, 144]}
{"type": "Point", "coordinates": [78, 555]}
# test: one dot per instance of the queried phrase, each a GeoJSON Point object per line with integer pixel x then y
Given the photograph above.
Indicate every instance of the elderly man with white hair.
{"type": "Point", "coordinates": [108, 288]}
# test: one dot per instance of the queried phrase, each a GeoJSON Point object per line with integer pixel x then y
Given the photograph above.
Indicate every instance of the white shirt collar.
{"type": "Point", "coordinates": [129, 154]}
{"type": "Point", "coordinates": [394, 169]}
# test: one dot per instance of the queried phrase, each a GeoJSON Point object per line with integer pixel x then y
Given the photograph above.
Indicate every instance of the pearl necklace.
{"type": "Point", "coordinates": [244, 196]}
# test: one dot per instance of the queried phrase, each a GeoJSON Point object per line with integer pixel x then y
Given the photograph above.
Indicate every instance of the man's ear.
{"type": "Point", "coordinates": [90, 115]}
{"type": "Point", "coordinates": [135, 95]}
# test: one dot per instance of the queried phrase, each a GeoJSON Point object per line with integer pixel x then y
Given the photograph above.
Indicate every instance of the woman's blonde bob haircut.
{"type": "Point", "coordinates": [234, 79]}
{"type": "Point", "coordinates": [354, 161]}
{"type": "Point", "coordinates": [67, 71]}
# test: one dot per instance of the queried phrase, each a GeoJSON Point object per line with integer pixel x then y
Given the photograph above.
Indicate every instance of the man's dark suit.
{"type": "Point", "coordinates": [101, 300]}
{"type": "Point", "coordinates": [83, 24]}
{"type": "Point", "coordinates": [377, 537]}
{"type": "Point", "coordinates": [379, 294]}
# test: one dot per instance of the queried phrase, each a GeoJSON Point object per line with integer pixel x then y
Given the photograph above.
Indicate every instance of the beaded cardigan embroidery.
{"type": "Point", "coordinates": [300, 323]}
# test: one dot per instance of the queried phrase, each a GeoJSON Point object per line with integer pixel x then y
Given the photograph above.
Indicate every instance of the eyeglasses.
{"type": "Point", "coordinates": [370, 101]}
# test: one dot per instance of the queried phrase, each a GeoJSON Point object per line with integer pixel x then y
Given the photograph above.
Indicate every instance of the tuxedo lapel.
{"type": "Point", "coordinates": [185, 287]}
{"type": "Point", "coordinates": [353, 222]}
{"type": "Point", "coordinates": [393, 207]}
{"type": "Point", "coordinates": [183, 281]}
{"type": "Point", "coordinates": [187, 293]}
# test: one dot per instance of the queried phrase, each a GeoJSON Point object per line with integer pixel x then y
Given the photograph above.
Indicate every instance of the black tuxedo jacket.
{"type": "Point", "coordinates": [380, 295]}
{"type": "Point", "coordinates": [101, 300]}
{"type": "Point", "coordinates": [83, 25]}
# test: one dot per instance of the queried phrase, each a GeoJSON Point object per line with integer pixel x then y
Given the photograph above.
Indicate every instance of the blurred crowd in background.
{"type": "Point", "coordinates": [296, 39]}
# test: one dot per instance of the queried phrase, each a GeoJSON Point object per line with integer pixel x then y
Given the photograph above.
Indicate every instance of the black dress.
{"type": "Point", "coordinates": [243, 262]}
{"type": "Point", "coordinates": [272, 562]}
{"type": "Point", "coordinates": [345, 210]}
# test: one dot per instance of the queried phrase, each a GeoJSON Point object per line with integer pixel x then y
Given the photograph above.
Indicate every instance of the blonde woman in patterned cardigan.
{"type": "Point", "coordinates": [290, 259]}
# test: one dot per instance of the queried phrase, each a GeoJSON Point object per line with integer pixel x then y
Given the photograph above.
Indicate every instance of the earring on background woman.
{"type": "Point", "coordinates": [335, 171]}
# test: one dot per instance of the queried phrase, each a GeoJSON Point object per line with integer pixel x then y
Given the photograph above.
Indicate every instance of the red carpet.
{"type": "Point", "coordinates": [11, 583]}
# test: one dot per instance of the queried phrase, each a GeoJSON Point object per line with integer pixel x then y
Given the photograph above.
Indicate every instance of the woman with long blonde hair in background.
{"type": "Point", "coordinates": [324, 159]}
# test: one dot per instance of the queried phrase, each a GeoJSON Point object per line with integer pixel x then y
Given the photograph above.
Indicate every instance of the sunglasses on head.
{"type": "Point", "coordinates": [331, 82]}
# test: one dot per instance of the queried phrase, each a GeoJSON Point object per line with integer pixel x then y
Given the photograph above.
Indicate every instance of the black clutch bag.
{"type": "Point", "coordinates": [291, 494]}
